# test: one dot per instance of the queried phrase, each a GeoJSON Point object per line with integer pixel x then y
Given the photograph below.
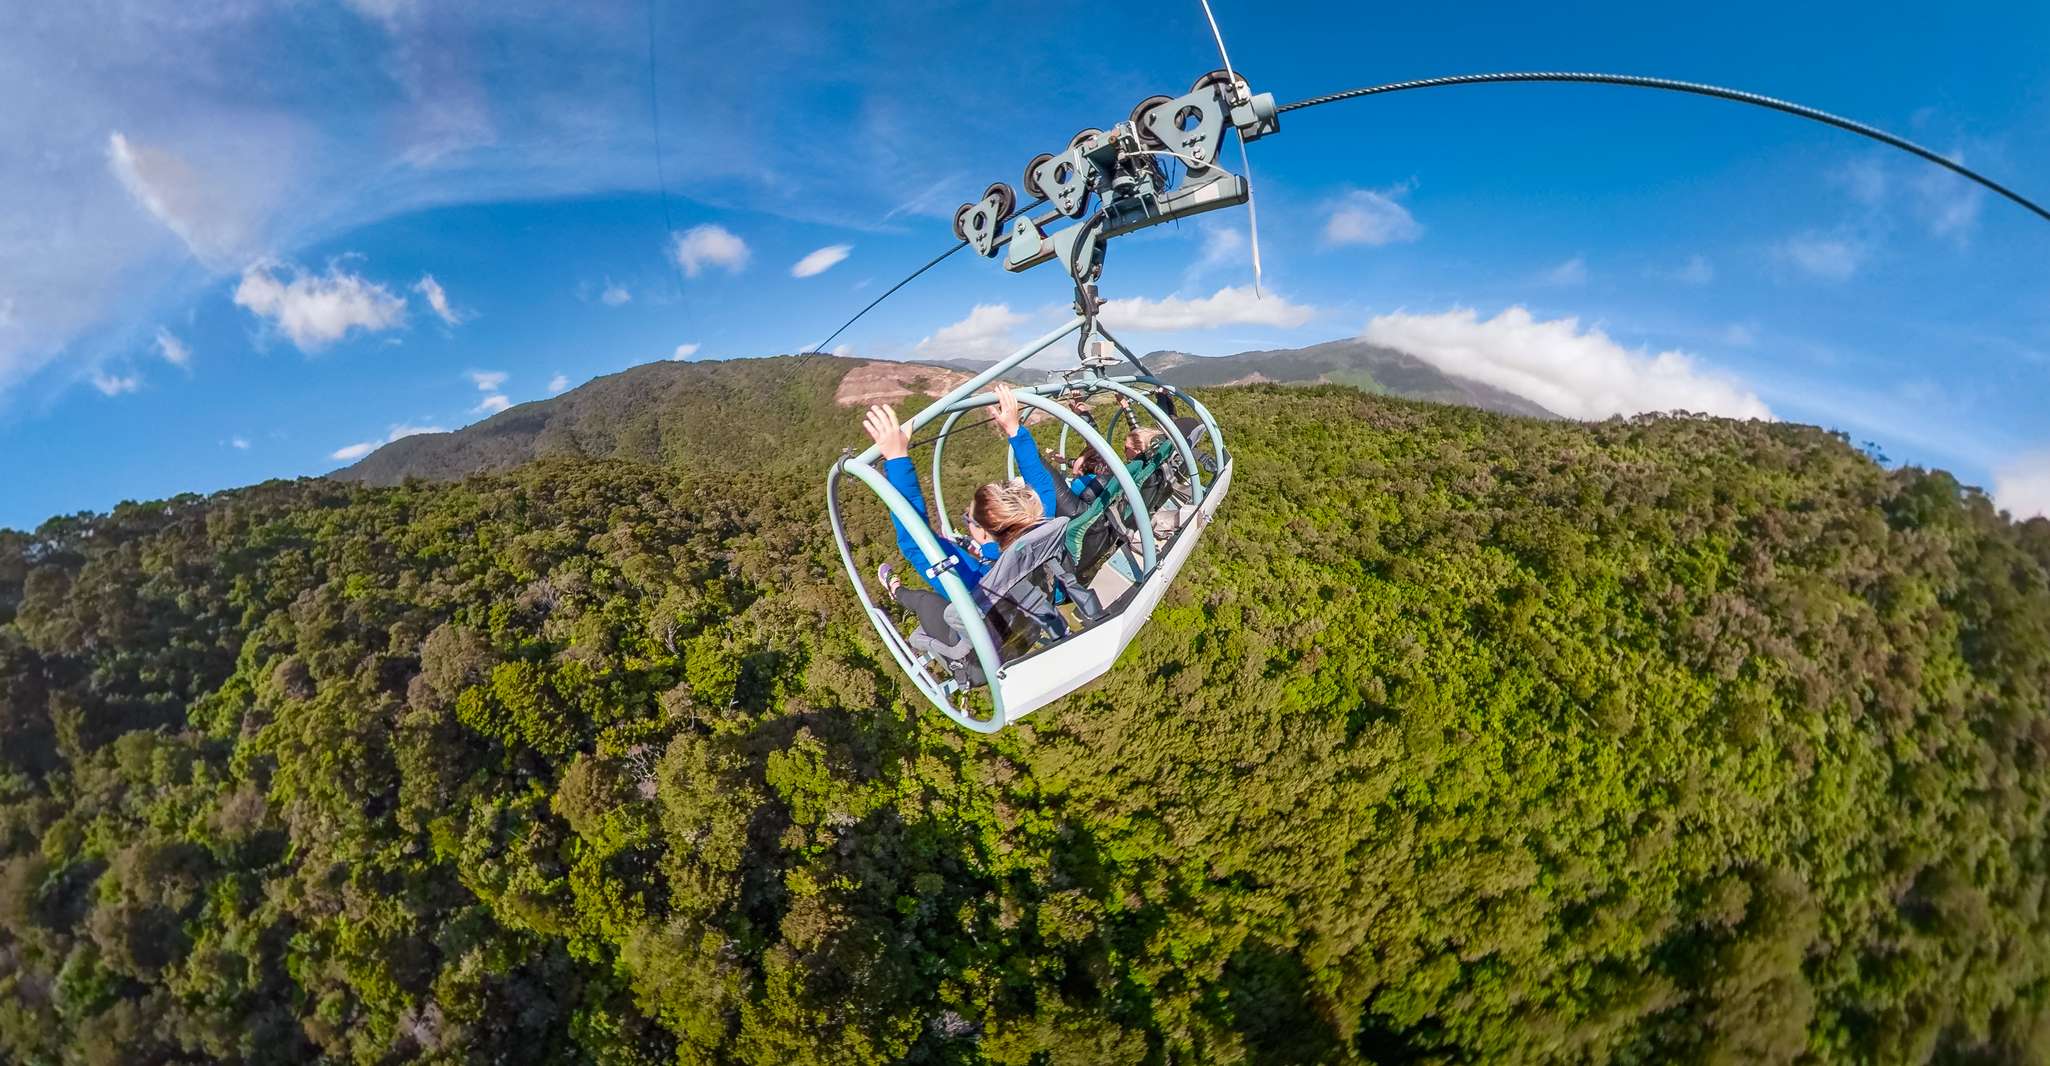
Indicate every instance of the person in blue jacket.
{"type": "Point", "coordinates": [1001, 512]}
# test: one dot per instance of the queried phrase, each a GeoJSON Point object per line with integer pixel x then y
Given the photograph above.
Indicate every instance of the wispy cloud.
{"type": "Point", "coordinates": [1579, 373]}
{"type": "Point", "coordinates": [1831, 258]}
{"type": "Point", "coordinates": [353, 452]}
{"type": "Point", "coordinates": [240, 444]}
{"type": "Point", "coordinates": [1233, 305]}
{"type": "Point", "coordinates": [820, 261]}
{"type": "Point", "coordinates": [1697, 270]}
{"type": "Point", "coordinates": [615, 294]}
{"type": "Point", "coordinates": [491, 405]}
{"type": "Point", "coordinates": [1572, 272]}
{"type": "Point", "coordinates": [1372, 217]}
{"type": "Point", "coordinates": [558, 383]}
{"type": "Point", "coordinates": [709, 245]}
{"type": "Point", "coordinates": [212, 216]}
{"type": "Point", "coordinates": [174, 351]}
{"type": "Point", "coordinates": [437, 301]}
{"type": "Point", "coordinates": [315, 310]}
{"type": "Point", "coordinates": [115, 384]}
{"type": "Point", "coordinates": [684, 351]}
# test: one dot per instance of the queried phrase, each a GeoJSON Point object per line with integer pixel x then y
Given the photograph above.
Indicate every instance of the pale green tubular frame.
{"type": "Point", "coordinates": [967, 396]}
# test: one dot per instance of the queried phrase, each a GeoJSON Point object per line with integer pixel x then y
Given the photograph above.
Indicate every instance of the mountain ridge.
{"type": "Point", "coordinates": [621, 414]}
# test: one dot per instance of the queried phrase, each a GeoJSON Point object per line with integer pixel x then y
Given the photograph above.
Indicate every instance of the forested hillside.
{"type": "Point", "coordinates": [774, 414]}
{"type": "Point", "coordinates": [1461, 738]}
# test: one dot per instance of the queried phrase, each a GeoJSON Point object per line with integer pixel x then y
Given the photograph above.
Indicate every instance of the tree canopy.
{"type": "Point", "coordinates": [1461, 738]}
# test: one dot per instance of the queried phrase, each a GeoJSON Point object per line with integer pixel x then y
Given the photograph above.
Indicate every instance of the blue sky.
{"type": "Point", "coordinates": [252, 239]}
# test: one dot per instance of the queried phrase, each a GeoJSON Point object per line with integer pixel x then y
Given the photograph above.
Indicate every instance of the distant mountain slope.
{"type": "Point", "coordinates": [786, 410]}
{"type": "Point", "coordinates": [758, 412]}
{"type": "Point", "coordinates": [1342, 362]}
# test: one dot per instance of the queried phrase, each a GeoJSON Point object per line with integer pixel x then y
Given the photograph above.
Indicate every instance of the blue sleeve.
{"type": "Point", "coordinates": [903, 476]}
{"type": "Point", "coordinates": [1033, 468]}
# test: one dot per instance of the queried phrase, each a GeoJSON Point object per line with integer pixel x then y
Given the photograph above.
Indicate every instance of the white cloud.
{"type": "Point", "coordinates": [2022, 487]}
{"type": "Point", "coordinates": [1571, 272]}
{"type": "Point", "coordinates": [1370, 217]}
{"type": "Point", "coordinates": [214, 218]}
{"type": "Point", "coordinates": [352, 452]}
{"type": "Point", "coordinates": [437, 300]}
{"type": "Point", "coordinates": [240, 444]}
{"type": "Point", "coordinates": [315, 310]}
{"type": "Point", "coordinates": [489, 381]}
{"type": "Point", "coordinates": [558, 383]}
{"type": "Point", "coordinates": [988, 332]}
{"type": "Point", "coordinates": [1828, 258]}
{"type": "Point", "coordinates": [615, 294]}
{"type": "Point", "coordinates": [709, 245]}
{"type": "Point", "coordinates": [844, 351]}
{"type": "Point", "coordinates": [1233, 305]}
{"type": "Point", "coordinates": [820, 261]}
{"type": "Point", "coordinates": [1576, 373]}
{"type": "Point", "coordinates": [115, 384]}
{"type": "Point", "coordinates": [174, 351]}
{"type": "Point", "coordinates": [684, 351]}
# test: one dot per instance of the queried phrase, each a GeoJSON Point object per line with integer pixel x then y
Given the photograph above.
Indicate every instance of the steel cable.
{"type": "Point", "coordinates": [819, 348]}
{"type": "Point", "coordinates": [1695, 88]}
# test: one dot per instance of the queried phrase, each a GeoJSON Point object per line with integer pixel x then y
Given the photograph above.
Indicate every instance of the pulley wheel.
{"type": "Point", "coordinates": [1084, 137]}
{"type": "Point", "coordinates": [1139, 116]}
{"type": "Point", "coordinates": [961, 221]}
{"type": "Point", "coordinates": [1215, 77]}
{"type": "Point", "coordinates": [1031, 182]}
{"type": "Point", "coordinates": [1006, 199]}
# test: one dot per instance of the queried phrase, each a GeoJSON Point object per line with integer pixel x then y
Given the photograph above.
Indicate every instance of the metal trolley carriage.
{"type": "Point", "coordinates": [1155, 544]}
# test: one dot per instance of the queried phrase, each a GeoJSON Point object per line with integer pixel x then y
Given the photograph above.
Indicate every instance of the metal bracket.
{"type": "Point", "coordinates": [946, 563]}
{"type": "Point", "coordinates": [1122, 170]}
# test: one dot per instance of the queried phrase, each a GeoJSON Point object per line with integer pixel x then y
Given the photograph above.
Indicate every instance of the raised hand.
{"type": "Point", "coordinates": [1007, 410]}
{"type": "Point", "coordinates": [889, 435]}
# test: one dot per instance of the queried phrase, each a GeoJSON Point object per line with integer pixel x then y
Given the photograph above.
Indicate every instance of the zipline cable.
{"type": "Point", "coordinates": [820, 347]}
{"type": "Point", "coordinates": [1672, 85]}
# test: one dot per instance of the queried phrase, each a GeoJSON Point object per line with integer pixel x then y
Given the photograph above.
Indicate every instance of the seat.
{"type": "Point", "coordinates": [1016, 597]}
{"type": "Point", "coordinates": [1097, 528]}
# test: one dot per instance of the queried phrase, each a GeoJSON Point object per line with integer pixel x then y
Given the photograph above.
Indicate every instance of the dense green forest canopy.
{"type": "Point", "coordinates": [1461, 738]}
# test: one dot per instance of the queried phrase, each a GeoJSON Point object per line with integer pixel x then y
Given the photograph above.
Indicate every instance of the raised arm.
{"type": "Point", "coordinates": [1025, 450]}
{"type": "Point", "coordinates": [895, 443]}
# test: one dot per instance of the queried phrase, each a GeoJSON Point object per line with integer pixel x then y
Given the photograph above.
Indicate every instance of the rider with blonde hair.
{"type": "Point", "coordinates": [1000, 513]}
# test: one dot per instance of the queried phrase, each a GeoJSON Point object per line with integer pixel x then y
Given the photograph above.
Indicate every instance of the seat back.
{"type": "Point", "coordinates": [1090, 534]}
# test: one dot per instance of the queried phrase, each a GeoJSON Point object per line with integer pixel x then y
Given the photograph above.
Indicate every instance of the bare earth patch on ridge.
{"type": "Point", "coordinates": [885, 382]}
